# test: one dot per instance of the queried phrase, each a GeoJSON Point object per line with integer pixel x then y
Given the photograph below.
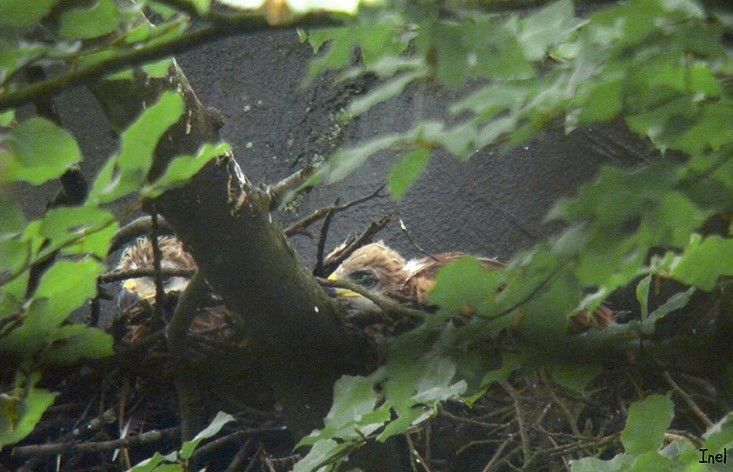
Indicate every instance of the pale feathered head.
{"type": "Point", "coordinates": [139, 255]}
{"type": "Point", "coordinates": [375, 267]}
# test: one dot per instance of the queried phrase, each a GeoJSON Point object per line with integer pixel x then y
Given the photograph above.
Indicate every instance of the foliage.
{"type": "Point", "coordinates": [661, 66]}
{"type": "Point", "coordinates": [178, 460]}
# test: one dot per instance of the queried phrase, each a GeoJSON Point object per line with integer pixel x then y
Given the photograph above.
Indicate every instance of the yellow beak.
{"type": "Point", "coordinates": [342, 292]}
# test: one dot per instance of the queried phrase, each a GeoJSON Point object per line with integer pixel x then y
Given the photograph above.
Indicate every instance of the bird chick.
{"type": "Point", "coordinates": [139, 255]}
{"type": "Point", "coordinates": [382, 270]}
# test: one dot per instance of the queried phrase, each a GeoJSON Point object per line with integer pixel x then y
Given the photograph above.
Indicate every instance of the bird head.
{"type": "Point", "coordinates": [139, 255]}
{"type": "Point", "coordinates": [375, 267]}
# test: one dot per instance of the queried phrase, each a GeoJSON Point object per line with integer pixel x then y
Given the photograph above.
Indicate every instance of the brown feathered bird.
{"type": "Point", "coordinates": [137, 296]}
{"type": "Point", "coordinates": [384, 271]}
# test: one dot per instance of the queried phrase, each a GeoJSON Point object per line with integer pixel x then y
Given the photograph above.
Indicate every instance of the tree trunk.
{"type": "Point", "coordinates": [225, 222]}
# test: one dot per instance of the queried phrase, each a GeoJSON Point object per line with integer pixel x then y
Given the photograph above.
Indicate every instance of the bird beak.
{"type": "Point", "coordinates": [340, 292]}
{"type": "Point", "coordinates": [130, 294]}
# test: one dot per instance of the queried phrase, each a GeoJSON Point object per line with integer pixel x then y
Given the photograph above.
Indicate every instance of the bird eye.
{"type": "Point", "coordinates": [365, 278]}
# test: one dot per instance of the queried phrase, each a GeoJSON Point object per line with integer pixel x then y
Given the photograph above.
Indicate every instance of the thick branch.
{"type": "Point", "coordinates": [147, 438]}
{"type": "Point", "coordinates": [226, 224]}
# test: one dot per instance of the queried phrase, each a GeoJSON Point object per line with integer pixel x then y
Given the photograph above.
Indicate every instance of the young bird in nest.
{"type": "Point", "coordinates": [381, 269]}
{"type": "Point", "coordinates": [137, 296]}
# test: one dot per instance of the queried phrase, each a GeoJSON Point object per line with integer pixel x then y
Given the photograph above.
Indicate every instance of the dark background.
{"type": "Point", "coordinates": [490, 205]}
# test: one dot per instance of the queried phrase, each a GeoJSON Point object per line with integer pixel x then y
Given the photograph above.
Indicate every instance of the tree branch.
{"type": "Point", "coordinates": [147, 438]}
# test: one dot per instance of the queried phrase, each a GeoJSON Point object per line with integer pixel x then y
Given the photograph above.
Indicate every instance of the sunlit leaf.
{"type": "Point", "coordinates": [406, 171]}
{"type": "Point", "coordinates": [20, 410]}
{"type": "Point", "coordinates": [545, 28]}
{"type": "Point", "coordinates": [647, 422]}
{"type": "Point", "coordinates": [182, 168]}
{"type": "Point", "coordinates": [704, 261]}
{"type": "Point", "coordinates": [85, 23]}
{"type": "Point", "coordinates": [20, 13]}
{"type": "Point", "coordinates": [212, 429]}
{"type": "Point", "coordinates": [39, 151]}
{"type": "Point", "coordinates": [126, 171]}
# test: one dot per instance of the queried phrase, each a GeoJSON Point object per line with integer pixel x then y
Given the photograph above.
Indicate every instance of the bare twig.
{"type": "Point", "coordinates": [289, 184]}
{"type": "Point", "coordinates": [520, 419]}
{"type": "Point", "coordinates": [157, 278]}
{"type": "Point", "coordinates": [117, 275]}
{"type": "Point", "coordinates": [318, 269]}
{"type": "Point", "coordinates": [321, 213]}
{"type": "Point", "coordinates": [333, 261]}
{"type": "Point", "coordinates": [241, 435]}
{"type": "Point", "coordinates": [415, 457]}
{"type": "Point", "coordinates": [412, 240]}
{"type": "Point", "coordinates": [147, 438]}
{"type": "Point", "coordinates": [497, 455]}
{"type": "Point", "coordinates": [239, 458]}
{"type": "Point", "coordinates": [688, 400]}
{"type": "Point", "coordinates": [221, 26]}
{"type": "Point", "coordinates": [385, 304]}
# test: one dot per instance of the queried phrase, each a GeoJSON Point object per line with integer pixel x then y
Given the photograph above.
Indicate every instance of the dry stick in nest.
{"type": "Point", "coordinates": [118, 275]}
{"type": "Point", "coordinates": [157, 279]}
{"type": "Point", "coordinates": [318, 269]}
{"type": "Point", "coordinates": [384, 303]}
{"type": "Point", "coordinates": [497, 455]}
{"type": "Point", "coordinates": [72, 447]}
{"type": "Point", "coordinates": [520, 420]}
{"type": "Point", "coordinates": [241, 456]}
{"type": "Point", "coordinates": [688, 400]}
{"type": "Point", "coordinates": [321, 213]}
{"type": "Point", "coordinates": [412, 240]}
{"type": "Point", "coordinates": [336, 259]}
{"type": "Point", "coordinates": [241, 435]}
{"type": "Point", "coordinates": [415, 457]}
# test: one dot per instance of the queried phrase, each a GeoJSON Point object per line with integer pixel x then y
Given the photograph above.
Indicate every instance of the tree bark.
{"type": "Point", "coordinates": [226, 224]}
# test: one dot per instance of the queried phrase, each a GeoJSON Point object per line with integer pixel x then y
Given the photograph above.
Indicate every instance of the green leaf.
{"type": "Point", "coordinates": [465, 285]}
{"type": "Point", "coordinates": [603, 103]}
{"type": "Point", "coordinates": [67, 285]}
{"type": "Point", "coordinates": [126, 172]}
{"type": "Point", "coordinates": [86, 23]}
{"type": "Point", "coordinates": [159, 462]}
{"type": "Point", "coordinates": [592, 464]}
{"type": "Point", "coordinates": [6, 117]}
{"type": "Point", "coordinates": [720, 435]}
{"type": "Point", "coordinates": [575, 377]}
{"type": "Point", "coordinates": [647, 423]}
{"type": "Point", "coordinates": [406, 171]}
{"type": "Point", "coordinates": [91, 229]}
{"type": "Point", "coordinates": [642, 295]}
{"type": "Point", "coordinates": [39, 151]}
{"type": "Point", "coordinates": [73, 342]}
{"type": "Point", "coordinates": [12, 219]}
{"type": "Point", "coordinates": [322, 452]}
{"type": "Point", "coordinates": [383, 93]}
{"type": "Point", "coordinates": [651, 461]}
{"type": "Point", "coordinates": [547, 27]}
{"type": "Point", "coordinates": [182, 168]}
{"type": "Point", "coordinates": [13, 250]}
{"type": "Point", "coordinates": [21, 409]}
{"type": "Point", "coordinates": [214, 427]}
{"type": "Point", "coordinates": [703, 262]}
{"type": "Point", "coordinates": [21, 13]}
